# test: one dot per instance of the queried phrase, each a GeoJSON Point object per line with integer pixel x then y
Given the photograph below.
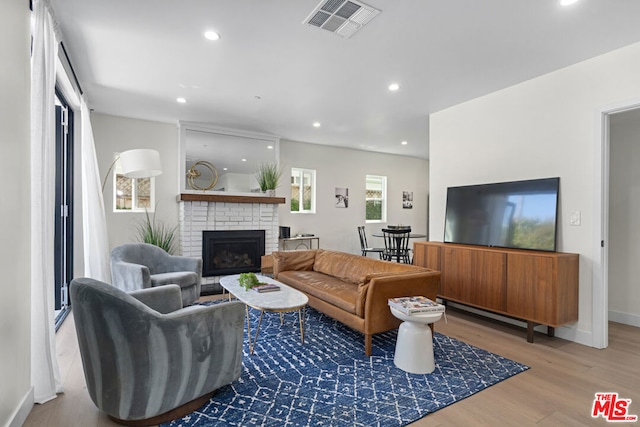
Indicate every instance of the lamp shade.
{"type": "Point", "coordinates": [140, 163]}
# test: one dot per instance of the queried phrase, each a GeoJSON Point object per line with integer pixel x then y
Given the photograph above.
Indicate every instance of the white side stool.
{"type": "Point", "coordinates": [414, 347]}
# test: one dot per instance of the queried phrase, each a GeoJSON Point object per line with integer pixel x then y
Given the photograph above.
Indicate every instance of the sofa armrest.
{"type": "Point", "coordinates": [129, 276]}
{"type": "Point", "coordinates": [163, 299]}
{"type": "Point", "coordinates": [398, 285]}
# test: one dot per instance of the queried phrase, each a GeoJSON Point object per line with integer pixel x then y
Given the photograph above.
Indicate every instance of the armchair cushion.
{"type": "Point", "coordinates": [142, 362]}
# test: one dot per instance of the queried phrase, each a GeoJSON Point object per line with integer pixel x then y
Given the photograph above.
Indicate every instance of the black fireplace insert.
{"type": "Point", "coordinates": [232, 251]}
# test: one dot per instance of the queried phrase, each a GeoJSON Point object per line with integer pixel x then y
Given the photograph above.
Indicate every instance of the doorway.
{"type": "Point", "coordinates": [612, 192]}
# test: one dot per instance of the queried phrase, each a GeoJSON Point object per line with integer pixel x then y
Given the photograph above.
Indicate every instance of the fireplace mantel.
{"type": "Point", "coordinates": [195, 197]}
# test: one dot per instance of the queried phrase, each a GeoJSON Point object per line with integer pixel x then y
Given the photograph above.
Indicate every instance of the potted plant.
{"type": "Point", "coordinates": [157, 233]}
{"type": "Point", "coordinates": [268, 176]}
{"type": "Point", "coordinates": [248, 280]}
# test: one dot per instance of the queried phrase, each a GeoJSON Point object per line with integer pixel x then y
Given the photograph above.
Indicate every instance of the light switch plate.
{"type": "Point", "coordinates": [575, 218]}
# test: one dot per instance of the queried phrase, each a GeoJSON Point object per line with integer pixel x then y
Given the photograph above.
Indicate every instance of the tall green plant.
{"type": "Point", "coordinates": [157, 233]}
{"type": "Point", "coordinates": [268, 176]}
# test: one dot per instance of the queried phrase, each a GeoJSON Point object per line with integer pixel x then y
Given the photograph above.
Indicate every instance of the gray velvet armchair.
{"type": "Point", "coordinates": [146, 359]}
{"type": "Point", "coordinates": [140, 265]}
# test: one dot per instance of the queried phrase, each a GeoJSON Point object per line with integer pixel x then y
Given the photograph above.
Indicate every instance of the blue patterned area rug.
{"type": "Point", "coordinates": [329, 381]}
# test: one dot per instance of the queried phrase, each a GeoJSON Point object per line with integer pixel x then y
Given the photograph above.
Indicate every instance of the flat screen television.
{"type": "Point", "coordinates": [518, 214]}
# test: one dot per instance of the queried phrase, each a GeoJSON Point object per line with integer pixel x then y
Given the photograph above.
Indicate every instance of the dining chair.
{"type": "Point", "coordinates": [365, 247]}
{"type": "Point", "coordinates": [396, 243]}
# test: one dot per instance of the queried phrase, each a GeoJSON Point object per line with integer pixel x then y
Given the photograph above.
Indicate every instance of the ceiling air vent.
{"type": "Point", "coordinates": [341, 17]}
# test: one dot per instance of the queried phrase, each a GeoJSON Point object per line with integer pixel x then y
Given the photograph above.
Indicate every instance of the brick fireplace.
{"type": "Point", "coordinates": [202, 212]}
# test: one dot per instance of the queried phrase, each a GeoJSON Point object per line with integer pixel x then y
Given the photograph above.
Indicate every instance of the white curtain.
{"type": "Point", "coordinates": [96, 240]}
{"type": "Point", "coordinates": [45, 374]}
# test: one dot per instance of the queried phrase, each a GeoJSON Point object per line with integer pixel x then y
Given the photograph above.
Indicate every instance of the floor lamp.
{"type": "Point", "coordinates": [138, 163]}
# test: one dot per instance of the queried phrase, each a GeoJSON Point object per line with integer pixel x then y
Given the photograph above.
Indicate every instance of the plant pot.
{"type": "Point", "coordinates": [271, 193]}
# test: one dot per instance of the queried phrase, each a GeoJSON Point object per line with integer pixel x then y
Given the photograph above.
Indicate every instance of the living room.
{"type": "Point", "coordinates": [545, 124]}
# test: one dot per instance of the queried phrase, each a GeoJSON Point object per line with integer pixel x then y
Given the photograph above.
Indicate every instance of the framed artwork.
{"type": "Point", "coordinates": [407, 200]}
{"type": "Point", "coordinates": [342, 197]}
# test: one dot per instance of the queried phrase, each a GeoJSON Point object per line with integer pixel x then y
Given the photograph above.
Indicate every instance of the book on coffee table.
{"type": "Point", "coordinates": [415, 305]}
{"type": "Point", "coordinates": [265, 287]}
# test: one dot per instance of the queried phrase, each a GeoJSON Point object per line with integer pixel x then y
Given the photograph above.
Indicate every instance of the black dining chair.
{"type": "Point", "coordinates": [396, 243]}
{"type": "Point", "coordinates": [365, 247]}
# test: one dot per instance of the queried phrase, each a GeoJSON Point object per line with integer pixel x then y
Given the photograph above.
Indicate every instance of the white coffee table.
{"type": "Point", "coordinates": [282, 301]}
{"type": "Point", "coordinates": [414, 347]}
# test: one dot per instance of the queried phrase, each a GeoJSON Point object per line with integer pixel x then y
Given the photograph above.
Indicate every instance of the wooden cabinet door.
{"type": "Point", "coordinates": [427, 255]}
{"type": "Point", "coordinates": [531, 288]}
{"type": "Point", "coordinates": [475, 277]}
{"type": "Point", "coordinates": [543, 288]}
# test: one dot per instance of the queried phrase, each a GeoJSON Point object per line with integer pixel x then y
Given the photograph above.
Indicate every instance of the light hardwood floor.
{"type": "Point", "coordinates": [558, 390]}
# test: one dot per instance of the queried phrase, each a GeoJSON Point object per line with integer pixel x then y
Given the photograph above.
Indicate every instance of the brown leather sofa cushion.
{"type": "Point", "coordinates": [356, 268]}
{"type": "Point", "coordinates": [330, 289]}
{"type": "Point", "coordinates": [293, 260]}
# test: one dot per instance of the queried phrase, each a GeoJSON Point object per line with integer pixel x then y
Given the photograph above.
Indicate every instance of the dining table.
{"type": "Point", "coordinates": [399, 239]}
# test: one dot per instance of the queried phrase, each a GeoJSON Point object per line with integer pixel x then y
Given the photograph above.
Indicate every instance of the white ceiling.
{"type": "Point", "coordinates": [134, 58]}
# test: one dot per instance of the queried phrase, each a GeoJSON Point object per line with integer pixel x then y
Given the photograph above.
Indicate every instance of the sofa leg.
{"type": "Point", "coordinates": [367, 344]}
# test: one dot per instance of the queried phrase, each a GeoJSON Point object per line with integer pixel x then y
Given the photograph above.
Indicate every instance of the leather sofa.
{"type": "Point", "coordinates": [353, 289]}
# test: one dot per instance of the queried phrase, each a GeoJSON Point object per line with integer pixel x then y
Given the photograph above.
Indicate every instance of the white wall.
{"type": "Point", "coordinates": [335, 167]}
{"type": "Point", "coordinates": [15, 306]}
{"type": "Point", "coordinates": [346, 168]}
{"type": "Point", "coordinates": [624, 205]}
{"type": "Point", "coordinates": [540, 128]}
{"type": "Point", "coordinates": [117, 134]}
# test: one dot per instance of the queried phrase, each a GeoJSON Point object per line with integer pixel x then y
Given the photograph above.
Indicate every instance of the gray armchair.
{"type": "Point", "coordinates": [141, 265]}
{"type": "Point", "coordinates": [146, 359]}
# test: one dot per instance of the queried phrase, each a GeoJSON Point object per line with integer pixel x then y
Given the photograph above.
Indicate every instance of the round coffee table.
{"type": "Point", "coordinates": [282, 301]}
{"type": "Point", "coordinates": [414, 347]}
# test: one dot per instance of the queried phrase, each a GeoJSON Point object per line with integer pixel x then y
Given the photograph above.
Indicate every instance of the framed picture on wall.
{"type": "Point", "coordinates": [342, 197]}
{"type": "Point", "coordinates": [407, 200]}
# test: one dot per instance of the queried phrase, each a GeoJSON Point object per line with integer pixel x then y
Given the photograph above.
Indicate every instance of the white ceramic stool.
{"type": "Point", "coordinates": [414, 347]}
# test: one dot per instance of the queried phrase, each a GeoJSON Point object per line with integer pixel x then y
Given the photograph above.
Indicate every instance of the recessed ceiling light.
{"type": "Point", "coordinates": [181, 100]}
{"type": "Point", "coordinates": [211, 35]}
{"type": "Point", "coordinates": [244, 160]}
{"type": "Point", "coordinates": [567, 2]}
{"type": "Point", "coordinates": [394, 86]}
{"type": "Point", "coordinates": [404, 143]}
{"type": "Point", "coordinates": [270, 147]}
{"type": "Point", "coordinates": [316, 125]}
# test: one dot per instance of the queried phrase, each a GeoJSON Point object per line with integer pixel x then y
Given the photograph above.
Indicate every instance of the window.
{"type": "Point", "coordinates": [303, 190]}
{"type": "Point", "coordinates": [63, 234]}
{"type": "Point", "coordinates": [376, 198]}
{"type": "Point", "coordinates": [132, 194]}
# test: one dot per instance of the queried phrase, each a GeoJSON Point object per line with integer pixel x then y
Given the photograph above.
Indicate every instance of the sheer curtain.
{"type": "Point", "coordinates": [45, 373]}
{"type": "Point", "coordinates": [96, 240]}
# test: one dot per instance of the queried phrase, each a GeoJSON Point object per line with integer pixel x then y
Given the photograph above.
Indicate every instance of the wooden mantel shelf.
{"type": "Point", "coordinates": [194, 197]}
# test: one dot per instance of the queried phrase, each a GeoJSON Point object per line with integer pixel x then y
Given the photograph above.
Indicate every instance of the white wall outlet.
{"type": "Point", "coordinates": [575, 218]}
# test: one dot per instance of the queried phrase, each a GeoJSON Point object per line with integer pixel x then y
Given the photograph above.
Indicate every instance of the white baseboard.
{"type": "Point", "coordinates": [22, 411]}
{"type": "Point", "coordinates": [626, 318]}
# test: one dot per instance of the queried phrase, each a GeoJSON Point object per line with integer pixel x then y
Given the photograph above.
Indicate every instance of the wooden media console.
{"type": "Point", "coordinates": [535, 286]}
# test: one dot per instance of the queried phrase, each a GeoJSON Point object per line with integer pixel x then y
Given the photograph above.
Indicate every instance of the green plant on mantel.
{"type": "Point", "coordinates": [268, 176]}
{"type": "Point", "coordinates": [248, 280]}
{"type": "Point", "coordinates": [157, 233]}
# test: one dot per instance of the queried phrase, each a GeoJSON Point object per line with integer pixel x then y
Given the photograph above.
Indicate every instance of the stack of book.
{"type": "Point", "coordinates": [415, 305]}
{"type": "Point", "coordinates": [265, 287]}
